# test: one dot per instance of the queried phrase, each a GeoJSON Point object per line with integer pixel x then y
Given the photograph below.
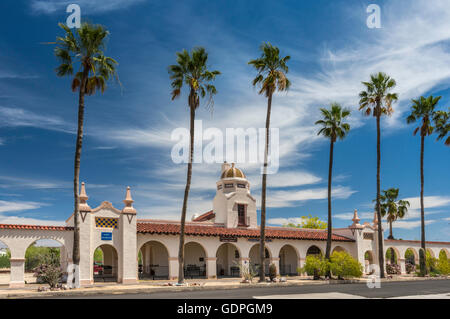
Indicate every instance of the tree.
{"type": "Point", "coordinates": [424, 109]}
{"type": "Point", "coordinates": [84, 47]}
{"type": "Point", "coordinates": [271, 77]}
{"type": "Point", "coordinates": [392, 208]}
{"type": "Point", "coordinates": [191, 70]}
{"type": "Point", "coordinates": [309, 222]}
{"type": "Point", "coordinates": [442, 121]}
{"type": "Point", "coordinates": [333, 128]}
{"type": "Point", "coordinates": [377, 100]}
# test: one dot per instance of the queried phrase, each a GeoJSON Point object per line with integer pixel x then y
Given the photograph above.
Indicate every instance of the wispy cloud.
{"type": "Point", "coordinates": [6, 206]}
{"type": "Point", "coordinates": [90, 6]}
{"type": "Point", "coordinates": [17, 117]}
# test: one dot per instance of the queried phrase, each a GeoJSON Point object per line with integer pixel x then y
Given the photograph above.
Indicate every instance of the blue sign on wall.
{"type": "Point", "coordinates": [106, 236]}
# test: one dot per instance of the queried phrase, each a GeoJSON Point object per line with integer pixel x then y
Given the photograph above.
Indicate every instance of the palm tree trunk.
{"type": "Point", "coordinates": [380, 230]}
{"type": "Point", "coordinates": [390, 230]}
{"type": "Point", "coordinates": [422, 206]}
{"type": "Point", "coordinates": [330, 171]}
{"type": "Point", "coordinates": [185, 200]}
{"type": "Point", "coordinates": [262, 245]}
{"type": "Point", "coordinates": [76, 178]}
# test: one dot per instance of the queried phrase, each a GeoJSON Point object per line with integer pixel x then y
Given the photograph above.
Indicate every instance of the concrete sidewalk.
{"type": "Point", "coordinates": [148, 286]}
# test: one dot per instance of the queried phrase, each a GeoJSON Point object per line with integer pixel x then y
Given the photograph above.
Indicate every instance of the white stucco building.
{"type": "Point", "coordinates": [216, 241]}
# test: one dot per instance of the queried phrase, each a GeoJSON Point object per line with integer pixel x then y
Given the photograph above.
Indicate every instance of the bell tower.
{"type": "Point", "coordinates": [233, 204]}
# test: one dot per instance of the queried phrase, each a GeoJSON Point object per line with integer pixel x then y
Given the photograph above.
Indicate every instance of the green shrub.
{"type": "Point", "coordinates": [4, 260]}
{"type": "Point", "coordinates": [343, 265]}
{"type": "Point", "coordinates": [443, 264]}
{"type": "Point", "coordinates": [315, 266]}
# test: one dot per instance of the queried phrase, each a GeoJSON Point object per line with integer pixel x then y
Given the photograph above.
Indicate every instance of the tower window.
{"type": "Point", "coordinates": [241, 185]}
{"type": "Point", "coordinates": [241, 215]}
{"type": "Point", "coordinates": [229, 185]}
{"type": "Point", "coordinates": [219, 186]}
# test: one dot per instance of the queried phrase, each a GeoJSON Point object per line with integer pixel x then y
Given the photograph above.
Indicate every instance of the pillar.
{"type": "Point", "coordinates": [402, 265]}
{"type": "Point", "coordinates": [301, 264]}
{"type": "Point", "coordinates": [211, 268]}
{"type": "Point", "coordinates": [17, 273]}
{"type": "Point", "coordinates": [173, 268]}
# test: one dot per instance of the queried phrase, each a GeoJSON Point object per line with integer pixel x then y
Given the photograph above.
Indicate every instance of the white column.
{"type": "Point", "coordinates": [402, 265]}
{"type": "Point", "coordinates": [173, 268]}
{"type": "Point", "coordinates": [17, 273]}
{"type": "Point", "coordinates": [301, 263]}
{"type": "Point", "coordinates": [211, 268]}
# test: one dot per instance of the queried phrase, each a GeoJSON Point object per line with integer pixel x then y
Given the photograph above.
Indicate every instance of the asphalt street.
{"type": "Point", "coordinates": [387, 290]}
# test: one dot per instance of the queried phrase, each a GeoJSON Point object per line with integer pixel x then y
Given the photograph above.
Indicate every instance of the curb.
{"type": "Point", "coordinates": [74, 293]}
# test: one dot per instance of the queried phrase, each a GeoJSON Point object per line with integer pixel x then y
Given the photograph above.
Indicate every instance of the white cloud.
{"type": "Point", "coordinates": [16, 117]}
{"type": "Point", "coordinates": [6, 206]}
{"type": "Point", "coordinates": [91, 6]}
{"type": "Point", "coordinates": [7, 182]}
{"type": "Point", "coordinates": [403, 224]}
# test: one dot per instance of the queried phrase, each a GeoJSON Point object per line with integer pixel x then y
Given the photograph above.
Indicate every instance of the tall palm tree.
{"type": "Point", "coordinates": [85, 49]}
{"type": "Point", "coordinates": [333, 128]}
{"type": "Point", "coordinates": [271, 77]}
{"type": "Point", "coordinates": [191, 70]}
{"type": "Point", "coordinates": [392, 208]}
{"type": "Point", "coordinates": [423, 109]}
{"type": "Point", "coordinates": [377, 100]}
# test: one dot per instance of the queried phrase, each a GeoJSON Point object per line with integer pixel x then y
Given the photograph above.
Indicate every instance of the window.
{"type": "Point", "coordinates": [219, 186]}
{"type": "Point", "coordinates": [236, 254]}
{"type": "Point", "coordinates": [229, 185]}
{"type": "Point", "coordinates": [241, 215]}
{"type": "Point", "coordinates": [241, 185]}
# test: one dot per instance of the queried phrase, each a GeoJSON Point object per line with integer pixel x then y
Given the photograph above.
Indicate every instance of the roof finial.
{"type": "Point", "coordinates": [128, 209]}
{"type": "Point", "coordinates": [375, 219]}
{"type": "Point", "coordinates": [356, 220]}
{"type": "Point", "coordinates": [83, 206]}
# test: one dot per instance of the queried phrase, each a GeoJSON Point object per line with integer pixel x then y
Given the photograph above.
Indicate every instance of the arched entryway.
{"type": "Point", "coordinates": [255, 258]}
{"type": "Point", "coordinates": [391, 256]}
{"type": "Point", "coordinates": [5, 265]}
{"type": "Point", "coordinates": [42, 251]}
{"type": "Point", "coordinates": [154, 261]}
{"type": "Point", "coordinates": [444, 254]}
{"type": "Point", "coordinates": [368, 260]}
{"type": "Point", "coordinates": [288, 261]}
{"type": "Point", "coordinates": [194, 260]}
{"type": "Point", "coordinates": [411, 256]}
{"type": "Point", "coordinates": [106, 264]}
{"type": "Point", "coordinates": [314, 250]}
{"type": "Point", "coordinates": [228, 256]}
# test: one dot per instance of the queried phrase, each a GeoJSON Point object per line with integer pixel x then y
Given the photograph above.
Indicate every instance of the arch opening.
{"type": "Point", "coordinates": [106, 264]}
{"type": "Point", "coordinates": [194, 260]}
{"type": "Point", "coordinates": [288, 261]}
{"type": "Point", "coordinates": [153, 261]}
{"type": "Point", "coordinates": [391, 256]}
{"type": "Point", "coordinates": [314, 250]}
{"type": "Point", "coordinates": [338, 249]}
{"type": "Point", "coordinates": [228, 256]}
{"type": "Point", "coordinates": [5, 265]}
{"type": "Point", "coordinates": [368, 260]}
{"type": "Point", "coordinates": [411, 256]}
{"type": "Point", "coordinates": [44, 251]}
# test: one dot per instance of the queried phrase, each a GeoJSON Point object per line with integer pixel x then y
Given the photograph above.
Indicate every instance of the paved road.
{"type": "Point", "coordinates": [440, 288]}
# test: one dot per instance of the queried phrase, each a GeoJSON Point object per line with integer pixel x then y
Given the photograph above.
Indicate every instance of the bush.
{"type": "Point", "coordinates": [272, 271]}
{"type": "Point", "coordinates": [315, 266]}
{"type": "Point", "coordinates": [4, 260]}
{"type": "Point", "coordinates": [343, 265]}
{"type": "Point", "coordinates": [393, 269]}
{"type": "Point", "coordinates": [443, 265]}
{"type": "Point", "coordinates": [247, 272]}
{"type": "Point", "coordinates": [410, 268]}
{"type": "Point", "coordinates": [48, 273]}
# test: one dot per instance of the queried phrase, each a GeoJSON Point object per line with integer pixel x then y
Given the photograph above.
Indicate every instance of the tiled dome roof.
{"type": "Point", "coordinates": [233, 172]}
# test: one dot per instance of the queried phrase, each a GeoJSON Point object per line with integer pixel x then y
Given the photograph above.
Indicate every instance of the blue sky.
{"type": "Point", "coordinates": [128, 129]}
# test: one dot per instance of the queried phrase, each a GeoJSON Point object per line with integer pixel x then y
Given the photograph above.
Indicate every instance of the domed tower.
{"type": "Point", "coordinates": [233, 204]}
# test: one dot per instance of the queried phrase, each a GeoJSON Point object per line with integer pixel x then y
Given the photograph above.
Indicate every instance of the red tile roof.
{"type": "Point", "coordinates": [34, 227]}
{"type": "Point", "coordinates": [206, 230]}
{"type": "Point", "coordinates": [205, 217]}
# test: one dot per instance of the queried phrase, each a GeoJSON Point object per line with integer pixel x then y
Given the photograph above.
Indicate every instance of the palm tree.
{"type": "Point", "coordinates": [442, 121]}
{"type": "Point", "coordinates": [377, 100]}
{"type": "Point", "coordinates": [271, 76]}
{"type": "Point", "coordinates": [84, 47]}
{"type": "Point", "coordinates": [333, 128]}
{"type": "Point", "coordinates": [191, 69]}
{"type": "Point", "coordinates": [392, 208]}
{"type": "Point", "coordinates": [423, 108]}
